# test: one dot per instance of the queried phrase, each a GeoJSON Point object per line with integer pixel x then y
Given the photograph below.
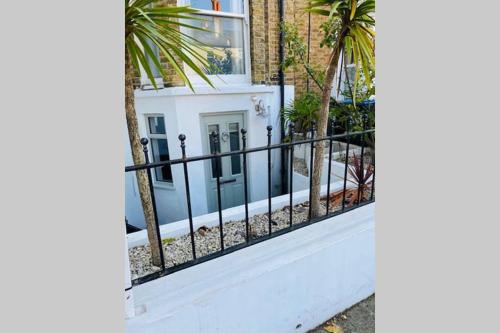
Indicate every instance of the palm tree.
{"type": "Point", "coordinates": [349, 28]}
{"type": "Point", "coordinates": [146, 25]}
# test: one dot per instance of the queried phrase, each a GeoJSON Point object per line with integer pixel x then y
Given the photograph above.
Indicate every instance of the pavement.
{"type": "Point", "coordinates": [360, 318]}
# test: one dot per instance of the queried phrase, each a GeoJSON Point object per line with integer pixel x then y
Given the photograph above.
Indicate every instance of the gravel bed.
{"type": "Point", "coordinates": [207, 240]}
{"type": "Point", "coordinates": [367, 156]}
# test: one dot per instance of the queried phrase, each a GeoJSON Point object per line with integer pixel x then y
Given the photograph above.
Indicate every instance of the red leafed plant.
{"type": "Point", "coordinates": [361, 173]}
{"type": "Point", "coordinates": [362, 177]}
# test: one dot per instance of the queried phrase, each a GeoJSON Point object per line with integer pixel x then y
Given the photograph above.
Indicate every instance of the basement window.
{"type": "Point", "coordinates": [159, 147]}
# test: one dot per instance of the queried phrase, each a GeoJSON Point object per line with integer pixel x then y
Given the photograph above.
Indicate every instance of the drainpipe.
{"type": "Point", "coordinates": [308, 45]}
{"type": "Point", "coordinates": [281, 76]}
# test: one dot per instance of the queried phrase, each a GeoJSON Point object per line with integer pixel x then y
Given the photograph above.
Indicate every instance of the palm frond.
{"type": "Point", "coordinates": [356, 16]}
{"type": "Point", "coordinates": [147, 25]}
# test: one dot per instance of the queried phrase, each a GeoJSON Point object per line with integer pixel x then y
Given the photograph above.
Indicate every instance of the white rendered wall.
{"type": "Point", "coordinates": [291, 283]}
{"type": "Point", "coordinates": [183, 111]}
{"type": "Point", "coordinates": [301, 182]}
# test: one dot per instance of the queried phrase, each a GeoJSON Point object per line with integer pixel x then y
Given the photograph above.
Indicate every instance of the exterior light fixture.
{"type": "Point", "coordinates": [260, 108]}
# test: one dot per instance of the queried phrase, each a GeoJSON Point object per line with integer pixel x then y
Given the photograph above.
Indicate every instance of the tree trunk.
{"type": "Point", "coordinates": [323, 122]}
{"type": "Point", "coordinates": [138, 158]}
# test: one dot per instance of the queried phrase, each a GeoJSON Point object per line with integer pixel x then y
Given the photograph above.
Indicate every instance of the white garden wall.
{"type": "Point", "coordinates": [301, 182]}
{"type": "Point", "coordinates": [290, 283]}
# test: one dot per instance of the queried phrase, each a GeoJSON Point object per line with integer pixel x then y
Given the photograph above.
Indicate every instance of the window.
{"type": "Point", "coordinates": [234, 145]}
{"type": "Point", "coordinates": [159, 147]}
{"type": "Point", "coordinates": [156, 52]}
{"type": "Point", "coordinates": [213, 149]}
{"type": "Point", "coordinates": [226, 38]}
{"type": "Point", "coordinates": [145, 82]}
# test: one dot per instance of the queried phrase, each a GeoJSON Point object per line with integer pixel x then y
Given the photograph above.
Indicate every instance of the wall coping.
{"type": "Point", "coordinates": [206, 90]}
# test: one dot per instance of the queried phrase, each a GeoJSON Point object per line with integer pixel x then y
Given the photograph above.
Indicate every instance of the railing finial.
{"type": "Point", "coordinates": [244, 137]}
{"type": "Point", "coordinates": [215, 137]}
{"type": "Point", "coordinates": [365, 120]}
{"type": "Point", "coordinates": [144, 143]}
{"type": "Point", "coordinates": [182, 138]}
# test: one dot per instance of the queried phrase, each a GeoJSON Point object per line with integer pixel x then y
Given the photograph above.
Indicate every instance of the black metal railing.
{"type": "Point", "coordinates": [216, 156]}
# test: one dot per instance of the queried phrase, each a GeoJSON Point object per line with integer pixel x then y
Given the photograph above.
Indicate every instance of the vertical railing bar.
{"type": "Point", "coordinates": [332, 124]}
{"type": "Point", "coordinates": [311, 160]}
{"type": "Point", "coordinates": [361, 181]}
{"type": "Point", "coordinates": [219, 200]}
{"type": "Point", "coordinates": [144, 143]}
{"type": "Point", "coordinates": [245, 182]}
{"type": "Point", "coordinates": [269, 213]}
{"type": "Point", "coordinates": [182, 138]}
{"type": "Point", "coordinates": [349, 121]}
{"type": "Point", "coordinates": [291, 173]}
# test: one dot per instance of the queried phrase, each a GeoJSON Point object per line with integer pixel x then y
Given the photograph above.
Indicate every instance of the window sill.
{"type": "Point", "coordinates": [205, 90]}
{"type": "Point", "coordinates": [165, 186]}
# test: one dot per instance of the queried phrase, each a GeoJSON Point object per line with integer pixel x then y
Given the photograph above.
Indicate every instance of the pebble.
{"type": "Point", "coordinates": [207, 240]}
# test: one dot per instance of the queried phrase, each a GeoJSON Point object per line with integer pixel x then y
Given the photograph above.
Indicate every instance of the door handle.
{"type": "Point", "coordinates": [228, 181]}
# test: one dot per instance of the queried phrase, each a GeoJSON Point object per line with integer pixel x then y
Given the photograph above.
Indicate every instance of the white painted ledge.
{"type": "Point", "coordinates": [290, 283]}
{"type": "Point", "coordinates": [206, 90]}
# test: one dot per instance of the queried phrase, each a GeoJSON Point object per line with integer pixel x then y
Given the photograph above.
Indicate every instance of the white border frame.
{"type": "Point", "coordinates": [157, 183]}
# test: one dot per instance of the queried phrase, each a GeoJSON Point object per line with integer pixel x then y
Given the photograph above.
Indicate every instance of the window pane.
{"type": "Point", "coordinates": [234, 127]}
{"type": "Point", "coordinates": [349, 77]}
{"type": "Point", "coordinates": [160, 153]}
{"type": "Point", "coordinates": [234, 144]}
{"type": "Point", "coordinates": [156, 125]}
{"type": "Point", "coordinates": [229, 6]}
{"type": "Point", "coordinates": [156, 51]}
{"type": "Point", "coordinates": [225, 38]}
{"type": "Point", "coordinates": [214, 128]}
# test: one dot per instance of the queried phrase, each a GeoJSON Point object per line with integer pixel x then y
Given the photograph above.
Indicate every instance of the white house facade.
{"type": "Point", "coordinates": [245, 47]}
{"type": "Point", "coordinates": [166, 113]}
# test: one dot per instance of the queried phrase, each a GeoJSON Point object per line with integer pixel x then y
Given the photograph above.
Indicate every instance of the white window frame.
{"type": "Point", "coordinates": [145, 82]}
{"type": "Point", "coordinates": [225, 79]}
{"type": "Point", "coordinates": [156, 182]}
{"type": "Point", "coordinates": [338, 92]}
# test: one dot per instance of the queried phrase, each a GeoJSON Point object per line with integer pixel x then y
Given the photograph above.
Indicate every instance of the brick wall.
{"type": "Point", "coordinates": [264, 26]}
{"type": "Point", "coordinates": [264, 43]}
{"type": "Point", "coordinates": [318, 55]}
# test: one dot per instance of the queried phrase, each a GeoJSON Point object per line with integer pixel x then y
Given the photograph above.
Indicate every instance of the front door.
{"type": "Point", "coordinates": [228, 127]}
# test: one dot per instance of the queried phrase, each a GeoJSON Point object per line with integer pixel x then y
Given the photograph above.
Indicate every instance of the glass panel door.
{"type": "Point", "coordinates": [211, 129]}
{"type": "Point", "coordinates": [234, 145]}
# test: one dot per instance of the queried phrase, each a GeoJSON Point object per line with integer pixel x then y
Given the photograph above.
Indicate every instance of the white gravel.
{"type": "Point", "coordinates": [207, 240]}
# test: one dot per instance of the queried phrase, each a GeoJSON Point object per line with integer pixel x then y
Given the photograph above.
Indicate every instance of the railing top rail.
{"type": "Point", "coordinates": [237, 152]}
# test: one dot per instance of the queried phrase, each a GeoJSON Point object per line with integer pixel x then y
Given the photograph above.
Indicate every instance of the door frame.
{"type": "Point", "coordinates": [206, 148]}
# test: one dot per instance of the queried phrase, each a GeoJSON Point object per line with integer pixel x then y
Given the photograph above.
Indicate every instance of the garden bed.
{"type": "Point", "coordinates": [207, 239]}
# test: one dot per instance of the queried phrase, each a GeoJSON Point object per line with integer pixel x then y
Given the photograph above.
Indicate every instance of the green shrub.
{"type": "Point", "coordinates": [302, 111]}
